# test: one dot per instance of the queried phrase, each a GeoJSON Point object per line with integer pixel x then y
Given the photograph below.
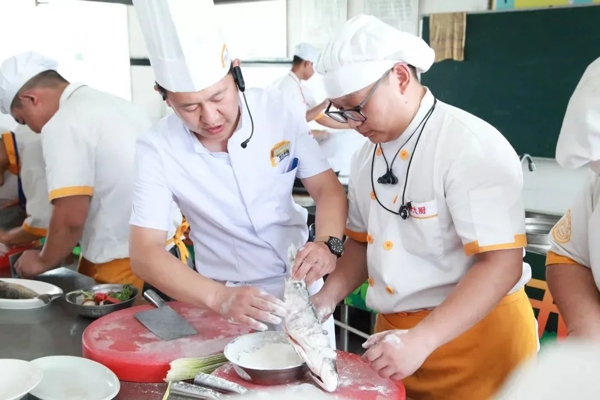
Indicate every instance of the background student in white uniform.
{"type": "Point", "coordinates": [229, 160]}
{"type": "Point", "coordinates": [91, 189]}
{"type": "Point", "coordinates": [573, 261]}
{"type": "Point", "coordinates": [299, 95]}
{"type": "Point", "coordinates": [24, 156]}
{"type": "Point", "coordinates": [436, 222]}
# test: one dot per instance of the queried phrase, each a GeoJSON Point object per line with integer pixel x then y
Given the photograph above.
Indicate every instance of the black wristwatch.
{"type": "Point", "coordinates": [336, 246]}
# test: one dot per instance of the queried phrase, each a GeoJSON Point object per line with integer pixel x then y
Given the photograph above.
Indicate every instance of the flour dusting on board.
{"type": "Point", "coordinates": [357, 374]}
{"type": "Point", "coordinates": [298, 392]}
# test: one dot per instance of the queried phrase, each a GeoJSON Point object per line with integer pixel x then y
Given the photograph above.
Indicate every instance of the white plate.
{"type": "Point", "coordinates": [18, 378]}
{"type": "Point", "coordinates": [37, 286]}
{"type": "Point", "coordinates": [75, 378]}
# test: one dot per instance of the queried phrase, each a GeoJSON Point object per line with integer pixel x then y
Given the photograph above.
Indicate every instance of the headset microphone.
{"type": "Point", "coordinates": [239, 81]}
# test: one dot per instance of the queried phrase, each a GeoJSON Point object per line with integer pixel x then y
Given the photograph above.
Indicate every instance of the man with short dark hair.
{"type": "Point", "coordinates": [88, 141]}
{"type": "Point", "coordinates": [436, 222]}
{"type": "Point", "coordinates": [292, 86]}
{"type": "Point", "coordinates": [229, 157]}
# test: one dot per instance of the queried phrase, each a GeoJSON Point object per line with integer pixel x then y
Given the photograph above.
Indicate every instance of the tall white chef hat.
{"type": "Point", "coordinates": [363, 50]}
{"type": "Point", "coordinates": [579, 139]}
{"type": "Point", "coordinates": [307, 52]}
{"type": "Point", "coordinates": [16, 71]}
{"type": "Point", "coordinates": [184, 41]}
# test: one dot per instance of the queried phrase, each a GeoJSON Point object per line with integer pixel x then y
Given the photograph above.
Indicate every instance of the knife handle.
{"type": "Point", "coordinates": [154, 298]}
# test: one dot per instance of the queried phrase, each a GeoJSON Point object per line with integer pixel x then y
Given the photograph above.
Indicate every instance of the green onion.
{"type": "Point", "coordinates": [187, 368]}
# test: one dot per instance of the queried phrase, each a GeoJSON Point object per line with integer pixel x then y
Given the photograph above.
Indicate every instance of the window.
{"type": "Point", "coordinates": [86, 38]}
{"type": "Point", "coordinates": [256, 30]}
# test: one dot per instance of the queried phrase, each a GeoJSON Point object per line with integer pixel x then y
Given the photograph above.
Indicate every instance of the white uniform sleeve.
{"type": "Point", "coordinates": [152, 198]}
{"type": "Point", "coordinates": [309, 97]}
{"type": "Point", "coordinates": [35, 189]}
{"type": "Point", "coordinates": [484, 196]}
{"type": "Point", "coordinates": [356, 226]}
{"type": "Point", "coordinates": [311, 160]}
{"type": "Point", "coordinates": [569, 237]}
{"type": "Point", "coordinates": [69, 153]}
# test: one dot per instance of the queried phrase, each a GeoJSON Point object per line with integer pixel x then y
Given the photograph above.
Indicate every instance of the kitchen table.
{"type": "Point", "coordinates": [56, 329]}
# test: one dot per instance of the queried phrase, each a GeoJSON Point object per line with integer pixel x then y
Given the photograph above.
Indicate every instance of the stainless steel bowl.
{"type": "Point", "coordinates": [75, 297]}
{"type": "Point", "coordinates": [267, 377]}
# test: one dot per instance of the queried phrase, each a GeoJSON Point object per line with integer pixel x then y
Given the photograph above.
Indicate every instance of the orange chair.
{"type": "Point", "coordinates": [545, 307]}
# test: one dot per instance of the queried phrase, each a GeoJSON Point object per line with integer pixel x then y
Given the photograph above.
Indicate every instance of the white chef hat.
{"type": "Point", "coordinates": [363, 50]}
{"type": "Point", "coordinates": [307, 52]}
{"type": "Point", "coordinates": [186, 47]}
{"type": "Point", "coordinates": [579, 139]}
{"type": "Point", "coordinates": [16, 71]}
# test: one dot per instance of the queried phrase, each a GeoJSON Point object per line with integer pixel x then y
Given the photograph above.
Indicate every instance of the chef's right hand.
{"type": "Point", "coordinates": [249, 306]}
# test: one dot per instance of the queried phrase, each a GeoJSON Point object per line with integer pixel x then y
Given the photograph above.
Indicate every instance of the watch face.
{"type": "Point", "coordinates": [336, 246]}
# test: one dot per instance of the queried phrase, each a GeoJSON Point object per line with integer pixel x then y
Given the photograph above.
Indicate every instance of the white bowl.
{"type": "Point", "coordinates": [18, 378]}
{"type": "Point", "coordinates": [75, 378]}
{"type": "Point", "coordinates": [37, 286]}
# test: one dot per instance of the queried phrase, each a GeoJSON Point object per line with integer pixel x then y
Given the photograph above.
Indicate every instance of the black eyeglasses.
{"type": "Point", "coordinates": [354, 113]}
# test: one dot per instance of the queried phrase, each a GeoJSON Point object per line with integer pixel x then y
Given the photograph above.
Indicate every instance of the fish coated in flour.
{"type": "Point", "coordinates": [13, 291]}
{"type": "Point", "coordinates": [306, 334]}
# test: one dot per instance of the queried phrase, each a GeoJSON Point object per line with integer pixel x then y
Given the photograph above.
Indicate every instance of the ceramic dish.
{"type": "Point", "coordinates": [18, 378]}
{"type": "Point", "coordinates": [75, 378]}
{"type": "Point", "coordinates": [37, 286]}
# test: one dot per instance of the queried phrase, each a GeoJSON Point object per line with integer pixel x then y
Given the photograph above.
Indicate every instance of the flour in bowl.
{"type": "Point", "coordinates": [271, 356]}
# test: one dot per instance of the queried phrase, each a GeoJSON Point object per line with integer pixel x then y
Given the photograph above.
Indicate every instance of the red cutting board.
{"type": "Point", "coordinates": [125, 346]}
{"type": "Point", "coordinates": [357, 381]}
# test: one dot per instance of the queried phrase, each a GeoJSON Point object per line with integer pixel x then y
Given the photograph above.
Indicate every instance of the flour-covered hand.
{"type": "Point", "coordinates": [396, 354]}
{"type": "Point", "coordinates": [313, 262]}
{"type": "Point", "coordinates": [324, 305]}
{"type": "Point", "coordinates": [247, 305]}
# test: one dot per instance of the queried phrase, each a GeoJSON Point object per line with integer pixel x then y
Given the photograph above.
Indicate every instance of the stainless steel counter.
{"type": "Point", "coordinates": [57, 330]}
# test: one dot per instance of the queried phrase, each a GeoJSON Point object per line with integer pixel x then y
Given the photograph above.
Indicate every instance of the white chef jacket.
{"type": "Point", "coordinates": [239, 204]}
{"type": "Point", "coordinates": [89, 147]}
{"type": "Point", "coordinates": [32, 171]}
{"type": "Point", "coordinates": [297, 93]}
{"type": "Point", "coordinates": [464, 186]}
{"type": "Point", "coordinates": [575, 237]}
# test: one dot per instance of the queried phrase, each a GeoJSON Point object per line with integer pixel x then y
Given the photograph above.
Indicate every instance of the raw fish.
{"type": "Point", "coordinates": [15, 291]}
{"type": "Point", "coordinates": [306, 333]}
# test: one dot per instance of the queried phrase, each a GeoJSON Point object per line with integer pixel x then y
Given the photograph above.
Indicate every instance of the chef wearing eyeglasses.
{"type": "Point", "coordinates": [435, 225]}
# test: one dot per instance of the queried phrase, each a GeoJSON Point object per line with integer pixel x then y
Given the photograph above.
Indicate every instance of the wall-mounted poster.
{"type": "Point", "coordinates": [519, 4]}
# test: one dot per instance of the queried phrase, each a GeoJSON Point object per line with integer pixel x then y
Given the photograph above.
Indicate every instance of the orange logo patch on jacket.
{"type": "Point", "coordinates": [279, 152]}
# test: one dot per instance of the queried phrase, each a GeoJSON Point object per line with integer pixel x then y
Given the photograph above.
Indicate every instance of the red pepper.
{"type": "Point", "coordinates": [98, 297]}
{"type": "Point", "coordinates": [112, 300]}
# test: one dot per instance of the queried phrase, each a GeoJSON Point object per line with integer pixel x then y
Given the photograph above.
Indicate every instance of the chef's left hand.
{"type": "Point", "coordinates": [313, 261]}
{"type": "Point", "coordinates": [30, 265]}
{"type": "Point", "coordinates": [396, 354]}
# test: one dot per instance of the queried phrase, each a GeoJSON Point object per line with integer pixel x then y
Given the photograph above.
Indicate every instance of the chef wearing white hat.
{"type": "Point", "coordinates": [293, 87]}
{"type": "Point", "coordinates": [21, 153]}
{"type": "Point", "coordinates": [436, 222]}
{"type": "Point", "coordinates": [573, 261]}
{"type": "Point", "coordinates": [229, 159]}
{"type": "Point", "coordinates": [88, 141]}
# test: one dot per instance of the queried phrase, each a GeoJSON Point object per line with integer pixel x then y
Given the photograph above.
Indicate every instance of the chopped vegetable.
{"type": "Point", "coordinates": [100, 299]}
{"type": "Point", "coordinates": [187, 368]}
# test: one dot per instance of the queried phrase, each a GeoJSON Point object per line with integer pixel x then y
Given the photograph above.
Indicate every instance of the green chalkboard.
{"type": "Point", "coordinates": [520, 70]}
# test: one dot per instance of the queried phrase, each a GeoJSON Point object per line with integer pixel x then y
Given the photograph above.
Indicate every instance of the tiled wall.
{"type": "Point", "coordinates": [551, 188]}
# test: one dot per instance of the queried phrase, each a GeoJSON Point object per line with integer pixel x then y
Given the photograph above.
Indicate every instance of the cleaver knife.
{"type": "Point", "coordinates": [163, 321]}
